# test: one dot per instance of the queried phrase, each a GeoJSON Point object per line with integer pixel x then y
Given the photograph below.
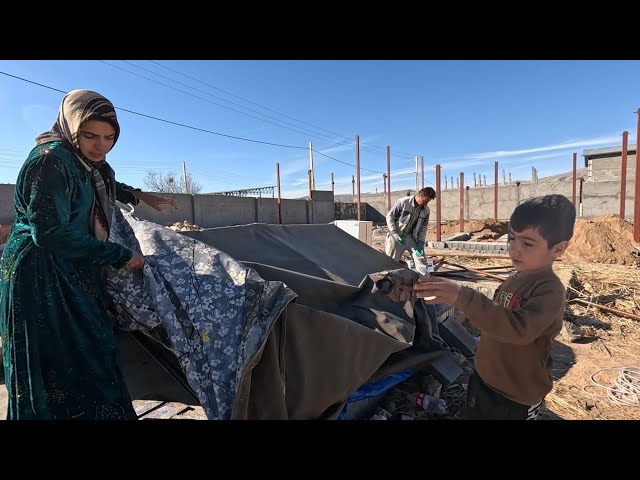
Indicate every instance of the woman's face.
{"type": "Point", "coordinates": [95, 139]}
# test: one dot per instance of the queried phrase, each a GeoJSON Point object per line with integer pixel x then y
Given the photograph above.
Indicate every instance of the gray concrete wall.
{"type": "Point", "coordinates": [168, 215]}
{"type": "Point", "coordinates": [478, 201]}
{"type": "Point", "coordinates": [7, 212]}
{"type": "Point", "coordinates": [322, 207]}
{"type": "Point", "coordinates": [267, 210]}
{"type": "Point", "coordinates": [598, 198]}
{"type": "Point", "coordinates": [294, 211]}
{"type": "Point", "coordinates": [222, 210]}
{"type": "Point", "coordinates": [348, 211]}
{"type": "Point", "coordinates": [609, 169]}
{"type": "Point", "coordinates": [602, 198]}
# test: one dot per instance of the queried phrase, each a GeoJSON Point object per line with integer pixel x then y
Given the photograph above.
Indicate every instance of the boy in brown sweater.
{"type": "Point", "coordinates": [513, 358]}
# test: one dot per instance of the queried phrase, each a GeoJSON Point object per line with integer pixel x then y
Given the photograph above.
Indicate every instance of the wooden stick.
{"type": "Point", "coordinates": [479, 272]}
{"type": "Point", "coordinates": [622, 313]}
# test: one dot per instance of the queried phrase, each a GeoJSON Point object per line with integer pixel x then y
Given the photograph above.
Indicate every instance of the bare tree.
{"type": "Point", "coordinates": [155, 181]}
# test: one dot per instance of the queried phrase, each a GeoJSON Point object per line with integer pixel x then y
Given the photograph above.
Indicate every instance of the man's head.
{"type": "Point", "coordinates": [425, 195]}
{"type": "Point", "coordinates": [539, 232]}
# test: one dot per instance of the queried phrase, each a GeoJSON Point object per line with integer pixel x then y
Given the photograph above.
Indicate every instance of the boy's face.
{"type": "Point", "coordinates": [530, 252]}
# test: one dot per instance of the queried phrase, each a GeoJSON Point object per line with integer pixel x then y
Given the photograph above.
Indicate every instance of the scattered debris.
{"type": "Point", "coordinates": [184, 227]}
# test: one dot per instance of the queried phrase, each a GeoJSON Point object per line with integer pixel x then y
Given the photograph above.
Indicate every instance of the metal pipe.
{"type": "Point", "coordinates": [495, 194]}
{"type": "Point", "coordinates": [575, 156]}
{"type": "Point", "coordinates": [623, 173]}
{"type": "Point", "coordinates": [636, 208]}
{"type": "Point", "coordinates": [388, 177]}
{"type": "Point", "coordinates": [358, 171]}
{"type": "Point", "coordinates": [279, 198]}
{"type": "Point", "coordinates": [438, 209]}
{"type": "Point", "coordinates": [462, 201]}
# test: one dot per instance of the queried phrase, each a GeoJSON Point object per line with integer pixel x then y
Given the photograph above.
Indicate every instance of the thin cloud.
{"type": "Point", "coordinates": [560, 146]}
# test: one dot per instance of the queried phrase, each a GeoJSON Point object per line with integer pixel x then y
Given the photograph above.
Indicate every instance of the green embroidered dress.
{"type": "Point", "coordinates": [60, 354]}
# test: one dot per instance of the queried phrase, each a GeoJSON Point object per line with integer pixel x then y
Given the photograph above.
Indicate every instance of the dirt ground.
{"type": "Point", "coordinates": [598, 268]}
{"type": "Point", "coordinates": [595, 345]}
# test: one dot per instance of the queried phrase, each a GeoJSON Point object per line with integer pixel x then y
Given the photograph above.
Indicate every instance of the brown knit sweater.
{"type": "Point", "coordinates": [518, 326]}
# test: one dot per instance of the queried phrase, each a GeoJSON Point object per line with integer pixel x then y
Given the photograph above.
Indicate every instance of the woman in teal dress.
{"type": "Point", "coordinates": [61, 360]}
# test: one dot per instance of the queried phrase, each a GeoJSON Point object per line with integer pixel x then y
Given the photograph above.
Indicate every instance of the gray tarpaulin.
{"type": "Point", "coordinates": [270, 321]}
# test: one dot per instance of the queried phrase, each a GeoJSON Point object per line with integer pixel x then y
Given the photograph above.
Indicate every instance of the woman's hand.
{"type": "Point", "coordinates": [136, 262]}
{"type": "Point", "coordinates": [154, 201]}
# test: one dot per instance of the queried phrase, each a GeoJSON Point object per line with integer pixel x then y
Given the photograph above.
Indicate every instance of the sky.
{"type": "Point", "coordinates": [463, 115]}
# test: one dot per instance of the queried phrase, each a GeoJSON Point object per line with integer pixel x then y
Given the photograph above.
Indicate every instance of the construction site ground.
{"type": "Point", "coordinates": [594, 344]}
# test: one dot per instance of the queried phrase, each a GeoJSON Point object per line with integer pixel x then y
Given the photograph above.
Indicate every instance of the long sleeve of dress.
{"type": "Point", "coordinates": [49, 188]}
{"type": "Point", "coordinates": [124, 193]}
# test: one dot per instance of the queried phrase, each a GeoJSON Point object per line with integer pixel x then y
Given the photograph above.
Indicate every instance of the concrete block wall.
{"type": "Point", "coordinates": [267, 210]}
{"type": "Point", "coordinates": [608, 169]}
{"type": "Point", "coordinates": [602, 198]}
{"type": "Point", "coordinates": [479, 200]}
{"type": "Point", "coordinates": [294, 211]}
{"type": "Point", "coordinates": [322, 207]}
{"type": "Point", "coordinates": [222, 210]}
{"type": "Point", "coordinates": [168, 216]}
{"type": "Point", "coordinates": [217, 210]}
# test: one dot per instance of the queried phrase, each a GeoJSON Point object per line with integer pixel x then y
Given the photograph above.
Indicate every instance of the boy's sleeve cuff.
{"type": "Point", "coordinates": [464, 298]}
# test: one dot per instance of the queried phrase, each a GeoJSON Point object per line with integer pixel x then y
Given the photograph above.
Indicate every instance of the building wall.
{"type": "Point", "coordinates": [608, 169]}
{"type": "Point", "coordinates": [602, 198]}
{"type": "Point", "coordinates": [217, 210]}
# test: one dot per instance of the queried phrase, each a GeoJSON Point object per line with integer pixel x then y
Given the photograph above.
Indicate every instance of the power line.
{"type": "Point", "coordinates": [196, 128]}
{"type": "Point", "coordinates": [232, 103]}
{"type": "Point", "coordinates": [258, 105]}
{"type": "Point", "coordinates": [196, 96]}
{"type": "Point", "coordinates": [249, 101]}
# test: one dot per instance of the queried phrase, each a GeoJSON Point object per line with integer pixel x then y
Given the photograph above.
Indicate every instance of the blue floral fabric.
{"type": "Point", "coordinates": [216, 312]}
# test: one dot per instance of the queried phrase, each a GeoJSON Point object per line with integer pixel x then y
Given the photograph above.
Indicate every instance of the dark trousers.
{"type": "Point", "coordinates": [484, 403]}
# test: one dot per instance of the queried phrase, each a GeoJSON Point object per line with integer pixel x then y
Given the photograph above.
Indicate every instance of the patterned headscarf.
{"type": "Point", "coordinates": [77, 107]}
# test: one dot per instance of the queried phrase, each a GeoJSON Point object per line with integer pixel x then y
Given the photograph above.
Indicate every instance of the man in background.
{"type": "Point", "coordinates": [407, 222]}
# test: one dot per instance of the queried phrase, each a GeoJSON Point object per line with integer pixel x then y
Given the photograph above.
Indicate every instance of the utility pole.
{"type": "Point", "coordinates": [313, 178]}
{"type": "Point", "coordinates": [184, 177]}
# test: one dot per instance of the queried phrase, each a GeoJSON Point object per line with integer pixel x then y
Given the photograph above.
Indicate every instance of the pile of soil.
{"type": "Point", "coordinates": [605, 239]}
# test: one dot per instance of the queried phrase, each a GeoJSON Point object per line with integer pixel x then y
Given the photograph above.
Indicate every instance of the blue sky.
{"type": "Point", "coordinates": [461, 114]}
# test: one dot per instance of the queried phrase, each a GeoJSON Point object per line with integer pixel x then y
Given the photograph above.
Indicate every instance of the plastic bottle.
{"type": "Point", "coordinates": [428, 403]}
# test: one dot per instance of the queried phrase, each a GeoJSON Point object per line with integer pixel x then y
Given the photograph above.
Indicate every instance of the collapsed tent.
{"type": "Point", "coordinates": [270, 321]}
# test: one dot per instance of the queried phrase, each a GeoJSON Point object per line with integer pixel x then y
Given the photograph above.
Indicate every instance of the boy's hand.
{"type": "Point", "coordinates": [437, 289]}
{"type": "Point", "coordinates": [399, 239]}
